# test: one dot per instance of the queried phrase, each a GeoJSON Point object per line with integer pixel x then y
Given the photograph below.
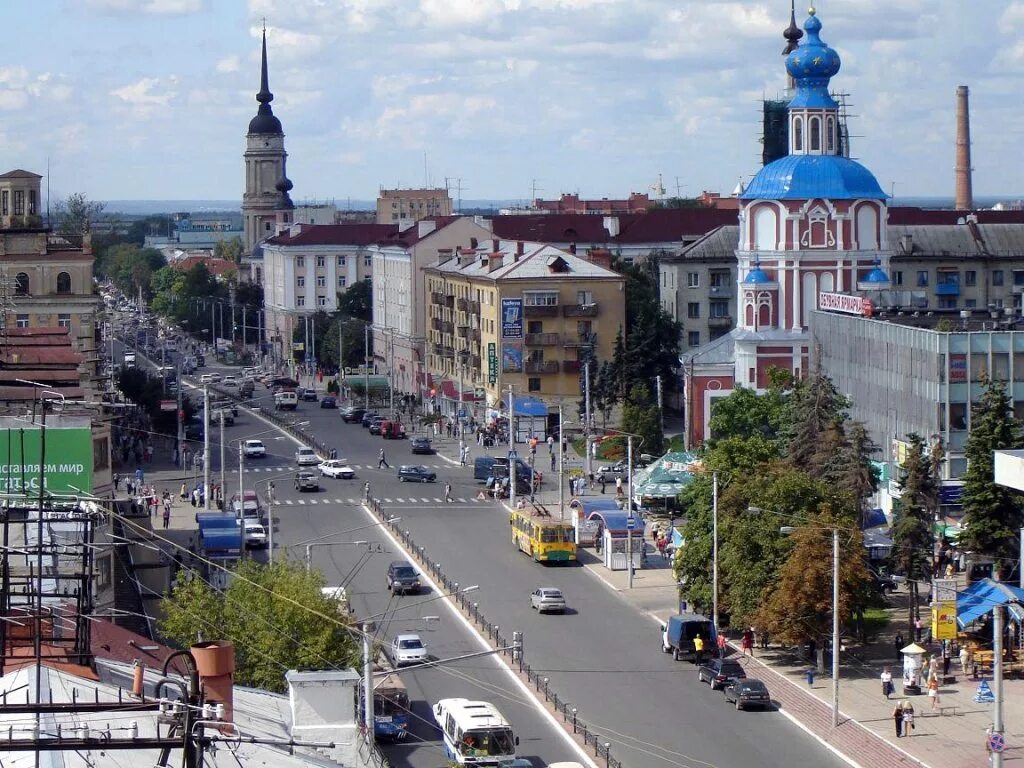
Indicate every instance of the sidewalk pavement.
{"type": "Point", "coordinates": [951, 737]}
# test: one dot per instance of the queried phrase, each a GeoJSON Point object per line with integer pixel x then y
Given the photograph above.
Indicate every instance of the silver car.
{"type": "Point", "coordinates": [547, 600]}
{"type": "Point", "coordinates": [408, 649]}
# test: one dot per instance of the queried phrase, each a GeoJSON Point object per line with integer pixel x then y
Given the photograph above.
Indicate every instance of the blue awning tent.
{"type": "Point", "coordinates": [982, 596]}
{"type": "Point", "coordinates": [529, 406]}
{"type": "Point", "coordinates": [614, 521]}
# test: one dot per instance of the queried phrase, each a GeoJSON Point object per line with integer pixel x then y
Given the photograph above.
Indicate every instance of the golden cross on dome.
{"type": "Point", "coordinates": [817, 60]}
{"type": "Point", "coordinates": [811, 10]}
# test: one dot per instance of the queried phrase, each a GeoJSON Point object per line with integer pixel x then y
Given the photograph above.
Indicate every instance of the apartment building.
{"type": "Point", "coordinates": [306, 266]}
{"type": "Point", "coordinates": [404, 207]}
{"type": "Point", "coordinates": [526, 316]}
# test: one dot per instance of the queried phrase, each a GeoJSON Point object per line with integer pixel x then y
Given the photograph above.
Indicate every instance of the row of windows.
{"type": "Point", "coordinates": [717, 309]}
{"type": "Point", "coordinates": [321, 281]}
{"type": "Point", "coordinates": [23, 286]}
{"type": "Point", "coordinates": [63, 321]}
{"type": "Point", "coordinates": [321, 261]}
{"type": "Point", "coordinates": [952, 277]}
{"type": "Point", "coordinates": [715, 279]}
{"type": "Point", "coordinates": [814, 129]}
{"type": "Point", "coordinates": [19, 202]}
{"type": "Point", "coordinates": [321, 301]}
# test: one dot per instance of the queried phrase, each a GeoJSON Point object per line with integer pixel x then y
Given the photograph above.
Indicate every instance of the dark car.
{"type": "Point", "coordinates": [422, 445]}
{"type": "Point", "coordinates": [375, 424]}
{"type": "Point", "coordinates": [352, 414]}
{"type": "Point", "coordinates": [416, 474]}
{"type": "Point", "coordinates": [748, 693]}
{"type": "Point", "coordinates": [720, 672]}
{"type": "Point", "coordinates": [308, 394]}
{"type": "Point", "coordinates": [283, 381]}
{"type": "Point", "coordinates": [329, 402]}
{"type": "Point", "coordinates": [369, 416]}
{"type": "Point", "coordinates": [883, 583]}
{"type": "Point", "coordinates": [246, 388]}
{"type": "Point", "coordinates": [306, 480]}
{"type": "Point", "coordinates": [402, 577]}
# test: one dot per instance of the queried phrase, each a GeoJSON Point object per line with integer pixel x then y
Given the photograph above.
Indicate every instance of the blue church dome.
{"type": "Point", "coordinates": [757, 276]}
{"type": "Point", "coordinates": [812, 65]}
{"type": "Point", "coordinates": [801, 177]}
{"type": "Point", "coordinates": [876, 277]}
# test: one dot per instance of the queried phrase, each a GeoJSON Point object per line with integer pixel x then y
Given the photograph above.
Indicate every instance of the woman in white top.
{"type": "Point", "coordinates": [886, 683]}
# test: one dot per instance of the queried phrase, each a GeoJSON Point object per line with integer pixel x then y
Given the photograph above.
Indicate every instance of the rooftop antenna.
{"type": "Point", "coordinates": [534, 189]}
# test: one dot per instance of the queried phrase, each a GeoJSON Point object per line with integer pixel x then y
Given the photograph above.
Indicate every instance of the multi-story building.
{"type": "Point", "coordinates": [306, 266]}
{"type": "Point", "coordinates": [404, 207]}
{"type": "Point", "coordinates": [637, 202]}
{"type": "Point", "coordinates": [526, 316]}
{"type": "Point", "coordinates": [399, 322]}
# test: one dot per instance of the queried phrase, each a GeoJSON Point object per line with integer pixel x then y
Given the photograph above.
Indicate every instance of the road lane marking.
{"type": "Point", "coordinates": [302, 501]}
{"type": "Point", "coordinates": [313, 501]}
{"type": "Point", "coordinates": [289, 502]}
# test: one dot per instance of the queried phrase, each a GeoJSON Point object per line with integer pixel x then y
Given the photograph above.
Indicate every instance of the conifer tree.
{"type": "Point", "coordinates": [813, 407]}
{"type": "Point", "coordinates": [912, 541]}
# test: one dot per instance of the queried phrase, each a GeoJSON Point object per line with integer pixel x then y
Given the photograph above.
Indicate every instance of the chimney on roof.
{"type": "Point", "coordinates": [519, 249]}
{"type": "Point", "coordinates": [425, 227]}
{"type": "Point", "coordinates": [964, 194]}
{"type": "Point", "coordinates": [495, 245]}
{"type": "Point", "coordinates": [611, 225]}
{"type": "Point", "coordinates": [600, 257]}
{"type": "Point", "coordinates": [215, 662]}
{"type": "Point", "coordinates": [495, 260]}
{"type": "Point", "coordinates": [473, 243]}
{"type": "Point", "coordinates": [323, 708]}
{"type": "Point", "coordinates": [572, 248]}
{"type": "Point", "coordinates": [444, 255]}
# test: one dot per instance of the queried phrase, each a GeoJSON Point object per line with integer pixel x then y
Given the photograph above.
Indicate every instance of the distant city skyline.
{"type": "Point", "coordinates": [150, 99]}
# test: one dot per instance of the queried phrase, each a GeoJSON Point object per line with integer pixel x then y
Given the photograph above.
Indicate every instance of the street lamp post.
{"type": "Point", "coordinates": [714, 555]}
{"type": "Point", "coordinates": [309, 549]}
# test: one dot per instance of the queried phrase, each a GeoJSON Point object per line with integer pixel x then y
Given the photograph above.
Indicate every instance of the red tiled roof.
{"type": "Point", "coordinates": [411, 236]}
{"type": "Point", "coordinates": [655, 226]}
{"type": "Point", "coordinates": [39, 374]}
{"type": "Point", "coordinates": [674, 224]}
{"type": "Point", "coordinates": [217, 267]}
{"type": "Point", "coordinates": [338, 234]}
{"type": "Point", "coordinates": [556, 227]}
{"type": "Point", "coordinates": [109, 641]}
{"type": "Point", "coordinates": [10, 394]}
{"type": "Point", "coordinates": [18, 335]}
{"type": "Point", "coordinates": [909, 216]}
{"type": "Point", "coordinates": [41, 355]}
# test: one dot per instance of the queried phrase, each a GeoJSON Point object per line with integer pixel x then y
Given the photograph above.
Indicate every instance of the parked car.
{"type": "Point", "coordinates": [254, 449]}
{"type": "Point", "coordinates": [408, 649]}
{"type": "Point", "coordinates": [416, 474]}
{"type": "Point", "coordinates": [306, 480]}
{"type": "Point", "coordinates": [329, 402]}
{"type": "Point", "coordinates": [610, 472]}
{"type": "Point", "coordinates": [255, 534]}
{"type": "Point", "coordinates": [367, 417]}
{"type": "Point", "coordinates": [285, 400]}
{"type": "Point", "coordinates": [352, 414]}
{"type": "Point", "coordinates": [309, 395]}
{"type": "Point", "coordinates": [403, 577]}
{"type": "Point", "coordinates": [547, 600]}
{"type": "Point", "coordinates": [720, 672]}
{"type": "Point", "coordinates": [306, 457]}
{"type": "Point", "coordinates": [422, 445]}
{"type": "Point", "coordinates": [337, 468]}
{"type": "Point", "coordinates": [375, 424]}
{"type": "Point", "coordinates": [748, 693]}
{"type": "Point", "coordinates": [246, 389]}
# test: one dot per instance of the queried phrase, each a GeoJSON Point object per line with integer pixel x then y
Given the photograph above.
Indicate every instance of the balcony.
{"type": "Point", "coordinates": [720, 322]}
{"type": "Point", "coordinates": [441, 349]}
{"type": "Point", "coordinates": [462, 305]}
{"type": "Point", "coordinates": [462, 331]}
{"type": "Point", "coordinates": [572, 366]}
{"type": "Point", "coordinates": [437, 298]}
{"type": "Point", "coordinates": [541, 366]}
{"type": "Point", "coordinates": [474, 307]}
{"type": "Point", "coordinates": [435, 323]}
{"type": "Point", "coordinates": [579, 310]}
{"type": "Point", "coordinates": [541, 310]}
{"type": "Point", "coordinates": [447, 326]}
{"type": "Point", "coordinates": [449, 301]}
{"type": "Point", "coordinates": [947, 289]}
{"type": "Point", "coordinates": [474, 361]}
{"type": "Point", "coordinates": [580, 340]}
{"type": "Point", "coordinates": [474, 335]}
{"type": "Point", "coordinates": [722, 291]}
{"type": "Point", "coordinates": [542, 339]}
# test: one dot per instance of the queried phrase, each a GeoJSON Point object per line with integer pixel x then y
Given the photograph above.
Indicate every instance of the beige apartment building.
{"type": "Point", "coordinates": [525, 315]}
{"type": "Point", "coordinates": [405, 207]}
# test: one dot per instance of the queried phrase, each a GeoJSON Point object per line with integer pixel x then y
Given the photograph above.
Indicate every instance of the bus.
{"type": "Point", "coordinates": [541, 537]}
{"type": "Point", "coordinates": [475, 732]}
{"type": "Point", "coordinates": [390, 707]}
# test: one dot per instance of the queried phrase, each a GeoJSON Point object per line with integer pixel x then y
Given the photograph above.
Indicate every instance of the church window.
{"type": "Point", "coordinates": [320, 261]}
{"type": "Point", "coordinates": [766, 236]}
{"type": "Point", "coordinates": [798, 134]}
{"type": "Point", "coordinates": [815, 129]}
{"type": "Point", "coordinates": [867, 228]}
{"type": "Point", "coordinates": [830, 136]}
{"type": "Point", "coordinates": [300, 261]}
{"type": "Point", "coordinates": [816, 232]}
{"type": "Point", "coordinates": [342, 281]}
{"type": "Point", "coordinates": [63, 283]}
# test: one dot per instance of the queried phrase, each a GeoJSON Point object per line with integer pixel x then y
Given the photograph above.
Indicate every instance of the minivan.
{"type": "Point", "coordinates": [286, 401]}
{"type": "Point", "coordinates": [490, 466]}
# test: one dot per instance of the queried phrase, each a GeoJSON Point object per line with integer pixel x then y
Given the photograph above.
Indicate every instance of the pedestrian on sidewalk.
{"type": "Point", "coordinates": [603, 483]}
{"type": "Point", "coordinates": [448, 492]}
{"type": "Point", "coordinates": [552, 462]}
{"type": "Point", "coordinates": [908, 718]}
{"type": "Point", "coordinates": [918, 628]}
{"type": "Point", "coordinates": [618, 487]}
{"type": "Point", "coordinates": [721, 645]}
{"type": "Point", "coordinates": [551, 444]}
{"type": "Point", "coordinates": [887, 683]}
{"type": "Point", "coordinates": [747, 641]}
{"type": "Point", "coordinates": [381, 461]}
{"type": "Point", "coordinates": [965, 658]}
{"type": "Point", "coordinates": [933, 691]}
{"type": "Point", "coordinates": [897, 716]}
{"type": "Point", "coordinates": [898, 646]}
{"type": "Point", "coordinates": [117, 480]}
{"type": "Point", "coordinates": [167, 514]}
{"type": "Point", "coordinates": [183, 493]}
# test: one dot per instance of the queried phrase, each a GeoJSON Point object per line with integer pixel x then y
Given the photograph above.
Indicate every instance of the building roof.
{"type": "Point", "coordinates": [218, 267]}
{"type": "Point", "coordinates": [717, 245]}
{"type": "Point", "coordinates": [805, 177]}
{"type": "Point", "coordinates": [538, 261]}
{"type": "Point", "coordinates": [336, 234]}
{"type": "Point", "coordinates": [958, 240]}
{"type": "Point", "coordinates": [265, 122]}
{"type": "Point", "coordinates": [18, 173]}
{"type": "Point", "coordinates": [908, 215]}
{"type": "Point", "coordinates": [661, 225]}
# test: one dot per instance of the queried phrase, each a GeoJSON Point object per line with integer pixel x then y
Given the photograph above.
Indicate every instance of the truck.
{"type": "Point", "coordinates": [678, 634]}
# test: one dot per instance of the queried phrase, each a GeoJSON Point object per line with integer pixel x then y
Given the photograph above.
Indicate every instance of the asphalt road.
{"type": "Point", "coordinates": [603, 655]}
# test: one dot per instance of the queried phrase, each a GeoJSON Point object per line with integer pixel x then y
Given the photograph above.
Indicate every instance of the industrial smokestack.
{"type": "Point", "coordinates": [964, 193]}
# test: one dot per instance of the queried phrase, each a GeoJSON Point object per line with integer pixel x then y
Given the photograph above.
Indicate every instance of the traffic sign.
{"type": "Point", "coordinates": [630, 523]}
{"type": "Point", "coordinates": [512, 455]}
{"type": "Point", "coordinates": [996, 742]}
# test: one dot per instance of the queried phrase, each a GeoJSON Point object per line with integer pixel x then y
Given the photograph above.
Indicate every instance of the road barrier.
{"type": "Point", "coordinates": [506, 646]}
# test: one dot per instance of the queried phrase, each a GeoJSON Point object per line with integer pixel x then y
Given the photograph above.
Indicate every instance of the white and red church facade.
{"type": "Point", "coordinates": [810, 223]}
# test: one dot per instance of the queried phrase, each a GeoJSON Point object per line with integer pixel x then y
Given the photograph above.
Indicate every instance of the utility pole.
{"type": "Point", "coordinates": [181, 416]}
{"type": "Point", "coordinates": [629, 509]}
{"type": "Point", "coordinates": [367, 686]}
{"type": "Point", "coordinates": [206, 448]}
{"type": "Point", "coordinates": [222, 454]}
{"type": "Point", "coordinates": [835, 628]}
{"type": "Point", "coordinates": [458, 416]}
{"type": "Point", "coordinates": [391, 373]}
{"type": "Point", "coordinates": [561, 467]}
{"type": "Point", "coordinates": [245, 345]}
{"type": "Point", "coordinates": [586, 416]}
{"type": "Point", "coordinates": [512, 463]}
{"type": "Point", "coordinates": [366, 362]}
{"type": "Point", "coordinates": [661, 410]}
{"type": "Point", "coordinates": [997, 680]}
{"type": "Point", "coordinates": [714, 554]}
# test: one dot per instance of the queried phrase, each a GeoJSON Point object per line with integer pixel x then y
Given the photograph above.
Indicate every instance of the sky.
{"type": "Point", "coordinates": [150, 99]}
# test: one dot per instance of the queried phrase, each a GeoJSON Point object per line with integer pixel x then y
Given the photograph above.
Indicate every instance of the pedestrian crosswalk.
{"type": "Point", "coordinates": [356, 467]}
{"type": "Point", "coordinates": [355, 501]}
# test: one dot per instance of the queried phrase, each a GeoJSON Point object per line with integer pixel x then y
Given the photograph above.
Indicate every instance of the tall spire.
{"type": "Point", "coordinates": [265, 122]}
{"type": "Point", "coordinates": [792, 33]}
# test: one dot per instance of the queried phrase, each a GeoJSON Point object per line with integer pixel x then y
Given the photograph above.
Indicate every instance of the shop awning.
{"type": "Point", "coordinates": [665, 478]}
{"type": "Point", "coordinates": [982, 596]}
{"type": "Point", "coordinates": [529, 406]}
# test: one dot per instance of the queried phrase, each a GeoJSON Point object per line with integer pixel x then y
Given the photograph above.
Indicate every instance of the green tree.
{"type": "Point", "coordinates": [641, 417]}
{"type": "Point", "coordinates": [229, 250]}
{"type": "Point", "coordinates": [277, 616]}
{"type": "Point", "coordinates": [850, 469]}
{"type": "Point", "coordinates": [912, 541]}
{"type": "Point", "coordinates": [813, 409]}
{"type": "Point", "coordinates": [992, 512]}
{"type": "Point", "coordinates": [744, 413]}
{"type": "Point", "coordinates": [130, 267]}
{"type": "Point", "coordinates": [74, 214]}
{"type": "Point", "coordinates": [357, 301]}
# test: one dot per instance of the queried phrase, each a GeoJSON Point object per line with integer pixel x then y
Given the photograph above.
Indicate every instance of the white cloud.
{"type": "Point", "coordinates": [144, 98]}
{"type": "Point", "coordinates": [1012, 19]}
{"type": "Point", "coordinates": [13, 99]}
{"type": "Point", "coordinates": [154, 7]}
{"type": "Point", "coordinates": [229, 64]}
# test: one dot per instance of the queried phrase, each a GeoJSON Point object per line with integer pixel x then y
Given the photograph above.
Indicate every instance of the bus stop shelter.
{"type": "Point", "coordinates": [614, 534]}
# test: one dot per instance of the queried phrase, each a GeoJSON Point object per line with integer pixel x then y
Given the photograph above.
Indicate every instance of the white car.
{"type": "Point", "coordinates": [206, 378]}
{"type": "Point", "coordinates": [408, 649]}
{"type": "Point", "coordinates": [254, 449]}
{"type": "Point", "coordinates": [230, 381]}
{"type": "Point", "coordinates": [255, 534]}
{"type": "Point", "coordinates": [547, 599]}
{"type": "Point", "coordinates": [305, 457]}
{"type": "Point", "coordinates": [336, 468]}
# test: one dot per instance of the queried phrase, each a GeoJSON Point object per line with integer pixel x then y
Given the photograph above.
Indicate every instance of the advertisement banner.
{"type": "Point", "coordinates": [492, 363]}
{"type": "Point", "coordinates": [511, 318]}
{"type": "Point", "coordinates": [958, 367]}
{"type": "Point", "coordinates": [845, 303]}
{"type": "Point", "coordinates": [68, 461]}
{"type": "Point", "coordinates": [944, 621]}
{"type": "Point", "coordinates": [512, 358]}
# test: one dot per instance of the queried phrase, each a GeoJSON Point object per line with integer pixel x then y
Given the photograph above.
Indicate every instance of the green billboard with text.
{"type": "Point", "coordinates": [67, 466]}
